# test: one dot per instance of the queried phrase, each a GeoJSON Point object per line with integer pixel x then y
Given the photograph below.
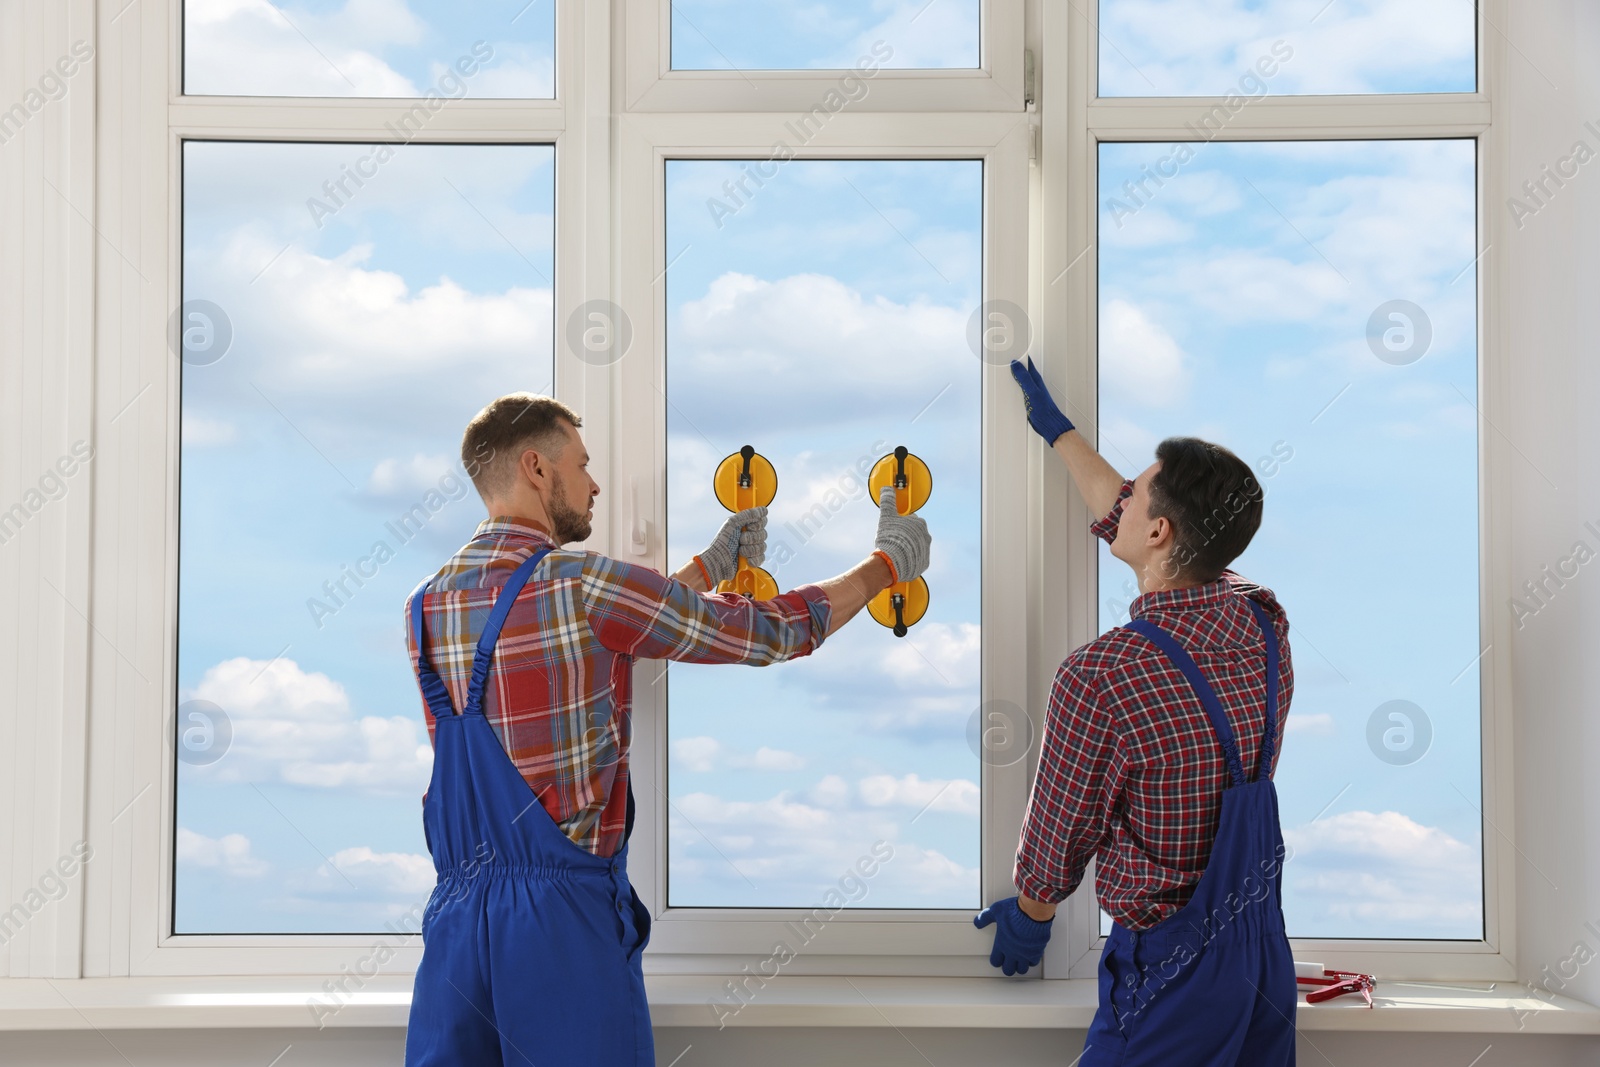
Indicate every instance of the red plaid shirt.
{"type": "Point", "coordinates": [1130, 772]}
{"type": "Point", "coordinates": [559, 693]}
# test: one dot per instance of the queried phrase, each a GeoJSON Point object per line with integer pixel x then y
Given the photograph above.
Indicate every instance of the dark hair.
{"type": "Point", "coordinates": [1213, 502]}
{"type": "Point", "coordinates": [497, 436]}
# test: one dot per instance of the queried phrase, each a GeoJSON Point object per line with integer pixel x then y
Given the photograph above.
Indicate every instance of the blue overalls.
{"type": "Point", "coordinates": [531, 944]}
{"type": "Point", "coordinates": [1211, 985]}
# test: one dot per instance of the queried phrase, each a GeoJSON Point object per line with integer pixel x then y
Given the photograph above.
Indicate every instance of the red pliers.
{"type": "Point", "coordinates": [1336, 984]}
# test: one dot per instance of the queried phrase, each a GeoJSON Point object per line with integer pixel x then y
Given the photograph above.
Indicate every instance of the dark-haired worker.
{"type": "Point", "coordinates": [524, 651]}
{"type": "Point", "coordinates": [1158, 751]}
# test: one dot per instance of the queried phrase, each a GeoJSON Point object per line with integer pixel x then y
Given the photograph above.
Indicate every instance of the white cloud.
{"type": "Point", "coordinates": [385, 874]}
{"type": "Point", "coordinates": [921, 35]}
{"type": "Point", "coordinates": [1139, 359]}
{"type": "Point", "coordinates": [231, 854]}
{"type": "Point", "coordinates": [199, 431]}
{"type": "Point", "coordinates": [831, 792]}
{"type": "Point", "coordinates": [1126, 224]}
{"type": "Point", "coordinates": [791, 849]}
{"type": "Point", "coordinates": [432, 481]}
{"type": "Point", "coordinates": [341, 325]}
{"type": "Point", "coordinates": [811, 331]}
{"type": "Point", "coordinates": [698, 754]}
{"type": "Point", "coordinates": [936, 654]}
{"type": "Point", "coordinates": [1319, 724]}
{"type": "Point", "coordinates": [1129, 445]}
{"type": "Point", "coordinates": [520, 71]}
{"type": "Point", "coordinates": [1202, 47]}
{"type": "Point", "coordinates": [297, 727]}
{"type": "Point", "coordinates": [248, 47]}
{"type": "Point", "coordinates": [776, 759]}
{"type": "Point", "coordinates": [704, 754]}
{"type": "Point", "coordinates": [1382, 874]}
{"type": "Point", "coordinates": [356, 359]}
{"type": "Point", "coordinates": [417, 474]}
{"type": "Point", "coordinates": [910, 791]}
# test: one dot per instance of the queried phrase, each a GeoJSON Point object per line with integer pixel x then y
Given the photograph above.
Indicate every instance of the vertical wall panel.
{"type": "Point", "coordinates": [47, 260]}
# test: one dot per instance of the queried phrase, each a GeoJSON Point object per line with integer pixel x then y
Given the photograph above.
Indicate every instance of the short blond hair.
{"type": "Point", "coordinates": [510, 425]}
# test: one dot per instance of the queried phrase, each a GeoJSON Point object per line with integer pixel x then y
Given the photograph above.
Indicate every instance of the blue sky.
{"type": "Point", "coordinates": [728, 35]}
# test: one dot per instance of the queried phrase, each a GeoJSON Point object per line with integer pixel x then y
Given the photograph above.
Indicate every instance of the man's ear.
{"type": "Point", "coordinates": [530, 464]}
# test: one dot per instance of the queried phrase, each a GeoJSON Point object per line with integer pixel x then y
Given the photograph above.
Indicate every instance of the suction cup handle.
{"type": "Point", "coordinates": [745, 453]}
{"type": "Point", "coordinates": [900, 454]}
{"type": "Point", "coordinates": [899, 602]}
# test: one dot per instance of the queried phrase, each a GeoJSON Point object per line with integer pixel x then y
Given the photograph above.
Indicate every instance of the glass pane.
{"type": "Point", "coordinates": [330, 364]}
{"type": "Point", "coordinates": [823, 321]}
{"type": "Point", "coordinates": [1249, 49]}
{"type": "Point", "coordinates": [434, 49]}
{"type": "Point", "coordinates": [1313, 308]}
{"type": "Point", "coordinates": [831, 35]}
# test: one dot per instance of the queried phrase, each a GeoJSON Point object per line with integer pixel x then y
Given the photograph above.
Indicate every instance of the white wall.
{"type": "Point", "coordinates": [1554, 393]}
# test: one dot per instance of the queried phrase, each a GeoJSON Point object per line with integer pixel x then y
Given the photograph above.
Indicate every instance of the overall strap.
{"type": "Point", "coordinates": [433, 688]}
{"type": "Point", "coordinates": [1269, 733]}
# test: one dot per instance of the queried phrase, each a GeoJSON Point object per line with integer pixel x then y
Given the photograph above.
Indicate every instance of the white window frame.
{"type": "Point", "coordinates": [1037, 600]}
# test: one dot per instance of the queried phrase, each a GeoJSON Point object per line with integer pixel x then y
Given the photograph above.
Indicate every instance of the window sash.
{"type": "Point", "coordinates": [939, 941]}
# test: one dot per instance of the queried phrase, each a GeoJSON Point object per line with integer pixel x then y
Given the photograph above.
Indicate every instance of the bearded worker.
{"type": "Point", "coordinates": [1149, 733]}
{"type": "Point", "coordinates": [532, 936]}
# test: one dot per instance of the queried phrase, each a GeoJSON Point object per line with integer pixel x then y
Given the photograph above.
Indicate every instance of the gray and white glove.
{"type": "Point", "coordinates": [902, 539]}
{"type": "Point", "coordinates": [744, 534]}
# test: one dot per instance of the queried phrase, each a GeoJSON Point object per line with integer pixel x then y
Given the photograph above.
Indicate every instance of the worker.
{"type": "Point", "coordinates": [1157, 757]}
{"type": "Point", "coordinates": [524, 652]}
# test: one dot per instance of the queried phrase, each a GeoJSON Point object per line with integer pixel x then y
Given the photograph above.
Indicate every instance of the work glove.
{"type": "Point", "coordinates": [903, 540]}
{"type": "Point", "coordinates": [1018, 940]}
{"type": "Point", "coordinates": [744, 534]}
{"type": "Point", "coordinates": [1043, 414]}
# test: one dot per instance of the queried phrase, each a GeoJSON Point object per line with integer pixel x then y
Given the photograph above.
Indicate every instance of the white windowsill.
{"type": "Point", "coordinates": [792, 1000]}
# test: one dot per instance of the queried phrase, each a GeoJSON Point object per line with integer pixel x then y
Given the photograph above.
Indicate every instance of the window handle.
{"type": "Point", "coordinates": [639, 526]}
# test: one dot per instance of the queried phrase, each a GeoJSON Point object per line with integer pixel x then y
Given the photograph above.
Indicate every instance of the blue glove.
{"type": "Point", "coordinates": [1018, 940]}
{"type": "Point", "coordinates": [1043, 414]}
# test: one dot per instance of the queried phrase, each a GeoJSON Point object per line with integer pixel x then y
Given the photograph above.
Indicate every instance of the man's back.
{"type": "Point", "coordinates": [1130, 768]}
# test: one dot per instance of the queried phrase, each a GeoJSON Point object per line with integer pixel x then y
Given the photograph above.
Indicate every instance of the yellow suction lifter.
{"type": "Point", "coordinates": [746, 480]}
{"type": "Point", "coordinates": [904, 603]}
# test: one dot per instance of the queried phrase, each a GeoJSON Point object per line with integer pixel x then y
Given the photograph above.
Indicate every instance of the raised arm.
{"type": "Point", "coordinates": [1098, 481]}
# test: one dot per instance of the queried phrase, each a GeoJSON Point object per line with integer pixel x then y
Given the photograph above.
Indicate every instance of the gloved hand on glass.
{"type": "Point", "coordinates": [903, 540]}
{"type": "Point", "coordinates": [744, 534]}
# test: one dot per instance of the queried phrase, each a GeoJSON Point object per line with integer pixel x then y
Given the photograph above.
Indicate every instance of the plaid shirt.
{"type": "Point", "coordinates": [559, 693]}
{"type": "Point", "coordinates": [1130, 772]}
